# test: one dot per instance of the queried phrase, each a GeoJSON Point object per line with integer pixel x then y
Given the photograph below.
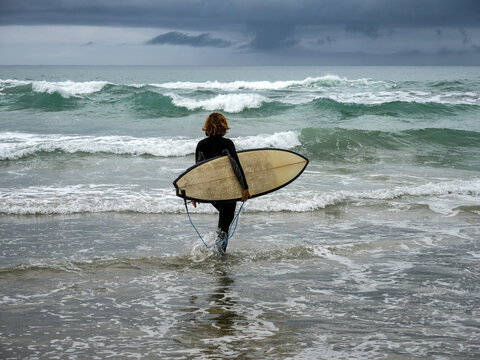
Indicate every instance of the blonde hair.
{"type": "Point", "coordinates": [216, 124]}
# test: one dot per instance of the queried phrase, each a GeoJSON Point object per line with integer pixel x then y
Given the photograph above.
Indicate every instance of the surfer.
{"type": "Point", "coordinates": [215, 144]}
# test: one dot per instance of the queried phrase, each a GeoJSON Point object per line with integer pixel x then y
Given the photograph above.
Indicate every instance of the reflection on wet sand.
{"type": "Point", "coordinates": [223, 322]}
{"type": "Point", "coordinates": [212, 320]}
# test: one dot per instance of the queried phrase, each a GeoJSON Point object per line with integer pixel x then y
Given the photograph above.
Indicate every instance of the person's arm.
{"type": "Point", "coordinates": [237, 169]}
{"type": "Point", "coordinates": [199, 154]}
{"type": "Point", "coordinates": [198, 157]}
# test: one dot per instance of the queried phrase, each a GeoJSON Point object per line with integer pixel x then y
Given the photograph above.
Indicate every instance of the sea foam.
{"type": "Point", "coordinates": [88, 198]}
{"type": "Point", "coordinates": [69, 88]}
{"type": "Point", "coordinates": [19, 145]}
{"type": "Point", "coordinates": [385, 97]}
{"type": "Point", "coordinates": [133, 198]}
{"type": "Point", "coordinates": [252, 85]}
{"type": "Point", "coordinates": [65, 88]}
{"type": "Point", "coordinates": [232, 103]}
{"type": "Point", "coordinates": [465, 191]}
{"type": "Point", "coordinates": [340, 89]}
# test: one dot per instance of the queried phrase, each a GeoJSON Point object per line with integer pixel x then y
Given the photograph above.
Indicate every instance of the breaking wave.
{"type": "Point", "coordinates": [15, 146]}
{"type": "Point", "coordinates": [65, 88]}
{"type": "Point", "coordinates": [316, 143]}
{"type": "Point", "coordinates": [132, 198]}
{"type": "Point", "coordinates": [176, 99]}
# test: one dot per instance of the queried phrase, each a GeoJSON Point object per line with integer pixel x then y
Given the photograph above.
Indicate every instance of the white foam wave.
{"type": "Point", "coordinates": [65, 88]}
{"type": "Point", "coordinates": [9, 83]}
{"type": "Point", "coordinates": [232, 103]}
{"type": "Point", "coordinates": [133, 198]}
{"type": "Point", "coordinates": [421, 97]}
{"type": "Point", "coordinates": [86, 87]}
{"type": "Point", "coordinates": [284, 140]}
{"type": "Point", "coordinates": [334, 87]}
{"type": "Point", "coordinates": [18, 145]}
{"type": "Point", "coordinates": [464, 190]}
{"type": "Point", "coordinates": [88, 198]}
{"type": "Point", "coordinates": [255, 85]}
{"type": "Point", "coordinates": [69, 88]}
{"type": "Point", "coordinates": [235, 103]}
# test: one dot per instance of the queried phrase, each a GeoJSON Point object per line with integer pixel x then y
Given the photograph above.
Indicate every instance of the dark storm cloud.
{"type": "Point", "coordinates": [267, 25]}
{"type": "Point", "coordinates": [271, 36]}
{"type": "Point", "coordinates": [214, 13]}
{"type": "Point", "coordinates": [177, 38]}
{"type": "Point", "coordinates": [371, 30]}
{"type": "Point", "coordinates": [327, 40]}
{"type": "Point", "coordinates": [465, 38]}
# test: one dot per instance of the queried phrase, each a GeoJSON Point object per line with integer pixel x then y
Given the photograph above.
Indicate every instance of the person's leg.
{"type": "Point", "coordinates": [226, 213]}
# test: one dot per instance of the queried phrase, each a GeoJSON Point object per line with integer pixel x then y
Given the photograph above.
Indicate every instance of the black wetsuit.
{"type": "Point", "coordinates": [211, 147]}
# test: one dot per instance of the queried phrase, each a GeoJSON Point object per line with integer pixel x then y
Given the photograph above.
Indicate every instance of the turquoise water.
{"type": "Point", "coordinates": [372, 253]}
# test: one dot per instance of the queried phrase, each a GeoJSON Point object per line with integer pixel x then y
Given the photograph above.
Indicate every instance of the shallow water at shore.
{"type": "Point", "coordinates": [341, 283]}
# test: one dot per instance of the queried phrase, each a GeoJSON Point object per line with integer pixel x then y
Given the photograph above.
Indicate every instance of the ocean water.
{"type": "Point", "coordinates": [374, 252]}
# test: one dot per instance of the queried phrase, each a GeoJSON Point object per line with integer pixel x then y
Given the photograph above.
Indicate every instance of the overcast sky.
{"type": "Point", "coordinates": [240, 32]}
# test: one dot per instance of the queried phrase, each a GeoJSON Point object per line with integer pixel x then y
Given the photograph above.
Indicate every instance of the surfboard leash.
{"type": "Point", "coordinates": [230, 231]}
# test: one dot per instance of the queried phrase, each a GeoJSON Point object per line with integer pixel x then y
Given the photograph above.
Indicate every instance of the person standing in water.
{"type": "Point", "coordinates": [215, 144]}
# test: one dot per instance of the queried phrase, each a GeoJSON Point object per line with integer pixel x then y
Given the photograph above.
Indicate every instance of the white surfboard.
{"type": "Point", "coordinates": [266, 170]}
